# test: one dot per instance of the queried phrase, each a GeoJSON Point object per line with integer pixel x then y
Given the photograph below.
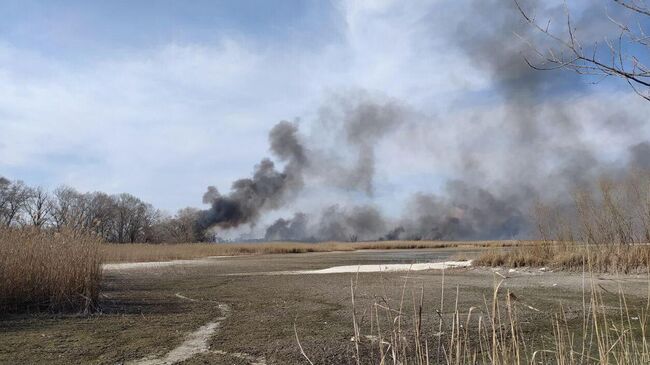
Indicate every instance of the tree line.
{"type": "Point", "coordinates": [118, 218]}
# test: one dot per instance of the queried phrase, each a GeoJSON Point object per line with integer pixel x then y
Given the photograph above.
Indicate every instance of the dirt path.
{"type": "Point", "coordinates": [197, 342]}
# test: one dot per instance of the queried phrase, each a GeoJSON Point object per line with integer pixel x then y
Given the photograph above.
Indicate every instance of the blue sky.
{"type": "Point", "coordinates": [163, 98]}
{"type": "Point", "coordinates": [82, 31]}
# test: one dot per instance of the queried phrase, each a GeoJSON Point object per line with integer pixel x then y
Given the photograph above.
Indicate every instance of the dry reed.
{"type": "Point", "coordinates": [46, 270]}
{"type": "Point", "coordinates": [626, 259]}
{"type": "Point", "coordinates": [494, 333]}
{"type": "Point", "coordinates": [606, 230]}
{"type": "Point", "coordinates": [161, 252]}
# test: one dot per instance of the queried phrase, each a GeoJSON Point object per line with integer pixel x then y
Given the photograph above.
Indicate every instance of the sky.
{"type": "Point", "coordinates": [161, 99]}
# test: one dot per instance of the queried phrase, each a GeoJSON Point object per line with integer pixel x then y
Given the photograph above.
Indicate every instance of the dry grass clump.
{"type": "Point", "coordinates": [47, 270]}
{"type": "Point", "coordinates": [498, 332]}
{"type": "Point", "coordinates": [161, 252]}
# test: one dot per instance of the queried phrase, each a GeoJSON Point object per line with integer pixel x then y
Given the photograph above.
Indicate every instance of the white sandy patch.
{"type": "Point", "coordinates": [387, 267]}
{"type": "Point", "coordinates": [365, 268]}
{"type": "Point", "coordinates": [157, 264]}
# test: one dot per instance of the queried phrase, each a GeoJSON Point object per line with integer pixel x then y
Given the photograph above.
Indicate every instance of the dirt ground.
{"type": "Point", "coordinates": [250, 305]}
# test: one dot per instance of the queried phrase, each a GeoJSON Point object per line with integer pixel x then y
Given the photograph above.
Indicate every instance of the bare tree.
{"type": "Point", "coordinates": [13, 196]}
{"type": "Point", "coordinates": [183, 226]}
{"type": "Point", "coordinates": [99, 214]}
{"type": "Point", "coordinates": [4, 194]}
{"type": "Point", "coordinates": [116, 218]}
{"type": "Point", "coordinates": [152, 218]}
{"type": "Point", "coordinates": [38, 206]}
{"type": "Point", "coordinates": [618, 56]}
{"type": "Point", "coordinates": [132, 219]}
{"type": "Point", "coordinates": [69, 208]}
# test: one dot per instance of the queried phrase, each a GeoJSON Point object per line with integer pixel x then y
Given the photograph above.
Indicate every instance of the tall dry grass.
{"type": "Point", "coordinates": [495, 332]}
{"type": "Point", "coordinates": [607, 229]}
{"type": "Point", "coordinates": [46, 270]}
{"type": "Point", "coordinates": [161, 252]}
{"type": "Point", "coordinates": [628, 259]}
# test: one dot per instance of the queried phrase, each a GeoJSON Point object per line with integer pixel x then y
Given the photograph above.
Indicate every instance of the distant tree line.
{"type": "Point", "coordinates": [120, 218]}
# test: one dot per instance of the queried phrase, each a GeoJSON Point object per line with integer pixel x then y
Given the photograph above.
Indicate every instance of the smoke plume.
{"type": "Point", "coordinates": [535, 138]}
{"type": "Point", "coordinates": [267, 189]}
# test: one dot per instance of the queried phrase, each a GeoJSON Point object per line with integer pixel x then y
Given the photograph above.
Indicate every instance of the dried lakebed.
{"type": "Point", "coordinates": [234, 310]}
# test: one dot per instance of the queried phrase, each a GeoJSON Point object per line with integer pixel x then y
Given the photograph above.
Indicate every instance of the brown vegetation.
{"type": "Point", "coordinates": [44, 270]}
{"type": "Point", "coordinates": [114, 253]}
{"type": "Point", "coordinates": [607, 230]}
{"type": "Point", "coordinates": [572, 257]}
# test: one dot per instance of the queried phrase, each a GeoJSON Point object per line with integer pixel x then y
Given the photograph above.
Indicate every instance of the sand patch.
{"type": "Point", "coordinates": [387, 267]}
{"type": "Point", "coordinates": [158, 264]}
{"type": "Point", "coordinates": [365, 269]}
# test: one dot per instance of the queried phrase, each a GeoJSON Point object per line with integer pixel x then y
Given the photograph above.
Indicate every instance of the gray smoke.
{"type": "Point", "coordinates": [465, 212]}
{"type": "Point", "coordinates": [355, 123]}
{"type": "Point", "coordinates": [358, 122]}
{"type": "Point", "coordinates": [357, 223]}
{"type": "Point", "coordinates": [537, 146]}
{"type": "Point", "coordinates": [267, 189]}
{"type": "Point", "coordinates": [640, 156]}
{"type": "Point", "coordinates": [294, 229]}
{"type": "Point", "coordinates": [334, 223]}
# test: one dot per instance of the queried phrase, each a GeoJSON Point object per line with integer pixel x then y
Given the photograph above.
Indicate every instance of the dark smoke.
{"type": "Point", "coordinates": [267, 189]}
{"type": "Point", "coordinates": [334, 223]}
{"type": "Point", "coordinates": [294, 229]}
{"type": "Point", "coordinates": [465, 212]}
{"type": "Point", "coordinates": [357, 223]}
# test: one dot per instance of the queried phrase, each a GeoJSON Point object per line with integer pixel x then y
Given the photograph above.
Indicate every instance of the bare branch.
{"type": "Point", "coordinates": [641, 10]}
{"type": "Point", "coordinates": [617, 63]}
